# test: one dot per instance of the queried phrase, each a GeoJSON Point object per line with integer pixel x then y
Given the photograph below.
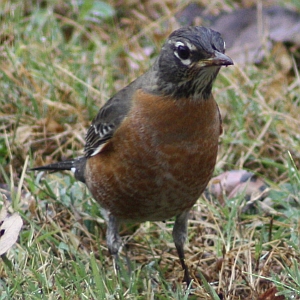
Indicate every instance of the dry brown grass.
{"type": "Point", "coordinates": [53, 80]}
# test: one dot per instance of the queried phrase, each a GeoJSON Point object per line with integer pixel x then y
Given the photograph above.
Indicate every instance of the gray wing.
{"type": "Point", "coordinates": [108, 119]}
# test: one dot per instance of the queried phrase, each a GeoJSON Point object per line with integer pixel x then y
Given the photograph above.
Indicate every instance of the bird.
{"type": "Point", "coordinates": [151, 149]}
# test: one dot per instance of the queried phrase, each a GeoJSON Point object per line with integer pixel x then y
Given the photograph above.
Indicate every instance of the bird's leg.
{"type": "Point", "coordinates": [179, 237]}
{"type": "Point", "coordinates": [113, 239]}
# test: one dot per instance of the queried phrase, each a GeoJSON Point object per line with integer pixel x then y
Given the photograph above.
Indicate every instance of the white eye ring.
{"type": "Point", "coordinates": [186, 61]}
{"type": "Point", "coordinates": [177, 44]}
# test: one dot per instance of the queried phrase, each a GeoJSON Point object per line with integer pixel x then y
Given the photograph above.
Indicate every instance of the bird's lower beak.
{"type": "Point", "coordinates": [219, 59]}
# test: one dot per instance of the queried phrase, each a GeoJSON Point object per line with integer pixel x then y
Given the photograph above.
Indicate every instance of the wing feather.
{"type": "Point", "coordinates": [108, 119]}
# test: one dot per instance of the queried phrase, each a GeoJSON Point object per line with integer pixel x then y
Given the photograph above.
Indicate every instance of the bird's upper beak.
{"type": "Point", "coordinates": [218, 59]}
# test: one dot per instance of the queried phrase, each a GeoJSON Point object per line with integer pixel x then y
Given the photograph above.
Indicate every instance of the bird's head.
{"type": "Point", "coordinates": [189, 62]}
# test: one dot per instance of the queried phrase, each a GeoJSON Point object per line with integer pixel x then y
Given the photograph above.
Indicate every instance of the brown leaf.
{"type": "Point", "coordinates": [270, 294]}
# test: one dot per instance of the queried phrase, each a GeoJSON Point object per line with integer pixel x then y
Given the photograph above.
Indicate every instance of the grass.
{"type": "Point", "coordinates": [59, 64]}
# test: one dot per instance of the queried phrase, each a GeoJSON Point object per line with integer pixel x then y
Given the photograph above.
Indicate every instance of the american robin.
{"type": "Point", "coordinates": [152, 147]}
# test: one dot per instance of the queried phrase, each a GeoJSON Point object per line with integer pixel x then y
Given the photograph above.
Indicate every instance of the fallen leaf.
{"type": "Point", "coordinates": [270, 294]}
{"type": "Point", "coordinates": [10, 226]}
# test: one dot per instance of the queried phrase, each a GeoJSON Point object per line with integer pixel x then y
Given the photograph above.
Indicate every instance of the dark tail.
{"type": "Point", "coordinates": [77, 166]}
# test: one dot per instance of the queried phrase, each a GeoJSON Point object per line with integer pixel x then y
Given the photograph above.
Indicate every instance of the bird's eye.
{"type": "Point", "coordinates": [183, 52]}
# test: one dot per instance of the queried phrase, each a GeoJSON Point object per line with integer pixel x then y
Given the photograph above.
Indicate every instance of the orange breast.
{"type": "Point", "coordinates": [159, 160]}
